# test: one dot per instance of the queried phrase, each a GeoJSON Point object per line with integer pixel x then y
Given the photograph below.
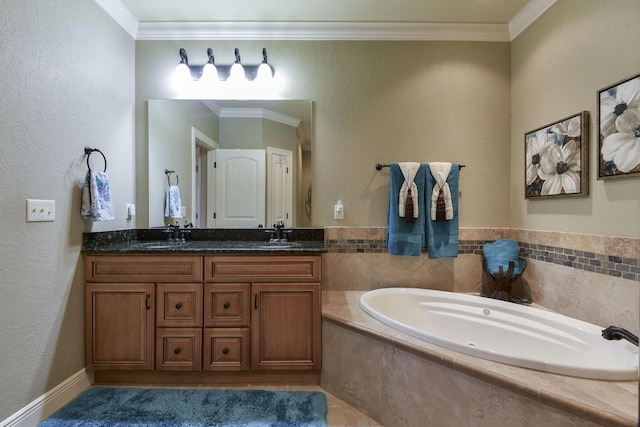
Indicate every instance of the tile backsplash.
{"type": "Point", "coordinates": [589, 277]}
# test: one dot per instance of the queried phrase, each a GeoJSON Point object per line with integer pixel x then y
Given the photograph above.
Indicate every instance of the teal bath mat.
{"type": "Point", "coordinates": [120, 407]}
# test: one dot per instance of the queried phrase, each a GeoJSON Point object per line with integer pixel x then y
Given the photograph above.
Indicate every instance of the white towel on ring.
{"type": "Point", "coordinates": [440, 172]}
{"type": "Point", "coordinates": [409, 170]}
{"type": "Point", "coordinates": [173, 203]}
{"type": "Point", "coordinates": [96, 202]}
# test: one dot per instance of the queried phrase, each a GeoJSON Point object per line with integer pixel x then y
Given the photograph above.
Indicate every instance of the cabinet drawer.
{"type": "Point", "coordinates": [141, 268]}
{"type": "Point", "coordinates": [227, 304]}
{"type": "Point", "coordinates": [179, 349]}
{"type": "Point", "coordinates": [226, 349]}
{"type": "Point", "coordinates": [179, 305]}
{"type": "Point", "coordinates": [262, 268]}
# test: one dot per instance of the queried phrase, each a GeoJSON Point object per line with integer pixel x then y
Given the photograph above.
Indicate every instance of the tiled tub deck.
{"type": "Point", "coordinates": [402, 381]}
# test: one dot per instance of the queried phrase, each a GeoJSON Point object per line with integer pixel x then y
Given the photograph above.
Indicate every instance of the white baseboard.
{"type": "Point", "coordinates": [45, 405]}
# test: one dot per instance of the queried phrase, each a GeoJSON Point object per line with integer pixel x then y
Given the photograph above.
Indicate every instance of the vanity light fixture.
{"type": "Point", "coordinates": [237, 70]}
{"type": "Point", "coordinates": [210, 72]}
{"type": "Point", "coordinates": [183, 71]}
{"type": "Point", "coordinates": [265, 73]}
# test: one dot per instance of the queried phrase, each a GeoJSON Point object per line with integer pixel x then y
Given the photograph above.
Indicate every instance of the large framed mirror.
{"type": "Point", "coordinates": [234, 164]}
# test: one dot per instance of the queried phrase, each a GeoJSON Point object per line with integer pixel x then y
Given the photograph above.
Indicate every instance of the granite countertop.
{"type": "Point", "coordinates": [203, 242]}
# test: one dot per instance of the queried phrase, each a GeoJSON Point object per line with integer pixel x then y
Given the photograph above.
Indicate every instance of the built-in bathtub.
{"type": "Point", "coordinates": [391, 375]}
{"type": "Point", "coordinates": [504, 332]}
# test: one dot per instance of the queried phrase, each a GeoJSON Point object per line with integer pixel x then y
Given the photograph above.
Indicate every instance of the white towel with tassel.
{"type": "Point", "coordinates": [440, 172]}
{"type": "Point", "coordinates": [409, 188]}
{"type": "Point", "coordinates": [173, 204]}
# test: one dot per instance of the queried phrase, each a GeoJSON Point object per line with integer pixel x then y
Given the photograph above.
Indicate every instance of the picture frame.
{"type": "Point", "coordinates": [557, 159]}
{"type": "Point", "coordinates": [619, 129]}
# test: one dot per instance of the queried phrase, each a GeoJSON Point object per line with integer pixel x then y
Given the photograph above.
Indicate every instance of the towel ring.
{"type": "Point", "coordinates": [168, 172]}
{"type": "Point", "coordinates": [89, 150]}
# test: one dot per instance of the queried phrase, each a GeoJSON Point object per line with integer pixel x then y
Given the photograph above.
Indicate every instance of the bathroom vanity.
{"type": "Point", "coordinates": [203, 312]}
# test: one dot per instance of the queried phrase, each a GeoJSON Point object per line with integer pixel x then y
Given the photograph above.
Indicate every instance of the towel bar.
{"type": "Point", "coordinates": [380, 166]}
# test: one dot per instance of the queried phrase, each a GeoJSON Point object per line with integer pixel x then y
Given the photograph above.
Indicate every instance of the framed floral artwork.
{"type": "Point", "coordinates": [619, 129]}
{"type": "Point", "coordinates": [556, 158]}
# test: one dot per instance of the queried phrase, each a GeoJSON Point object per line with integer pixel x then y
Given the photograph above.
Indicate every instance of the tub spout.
{"type": "Point", "coordinates": [617, 333]}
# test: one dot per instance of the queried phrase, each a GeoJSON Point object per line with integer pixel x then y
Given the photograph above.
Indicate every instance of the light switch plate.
{"type": "Point", "coordinates": [41, 210]}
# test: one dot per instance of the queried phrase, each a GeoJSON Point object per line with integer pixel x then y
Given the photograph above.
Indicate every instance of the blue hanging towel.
{"type": "Point", "coordinates": [406, 237]}
{"type": "Point", "coordinates": [442, 236]}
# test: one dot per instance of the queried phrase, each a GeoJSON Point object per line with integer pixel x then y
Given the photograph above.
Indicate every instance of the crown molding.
{"type": "Point", "coordinates": [324, 30]}
{"type": "Point", "coordinates": [527, 15]}
{"type": "Point", "coordinates": [321, 31]}
{"type": "Point", "coordinates": [121, 14]}
{"type": "Point", "coordinates": [258, 113]}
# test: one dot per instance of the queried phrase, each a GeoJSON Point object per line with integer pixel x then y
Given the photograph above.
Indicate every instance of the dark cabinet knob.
{"type": "Point", "coordinates": [176, 351]}
{"type": "Point", "coordinates": [225, 351]}
{"type": "Point", "coordinates": [179, 306]}
{"type": "Point", "coordinates": [226, 305]}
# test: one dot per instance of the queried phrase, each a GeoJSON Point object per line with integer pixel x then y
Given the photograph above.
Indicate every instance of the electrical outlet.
{"type": "Point", "coordinates": [338, 211]}
{"type": "Point", "coordinates": [41, 210]}
{"type": "Point", "coordinates": [131, 210]}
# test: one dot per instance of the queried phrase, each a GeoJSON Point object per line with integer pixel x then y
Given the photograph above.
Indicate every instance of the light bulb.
{"type": "Point", "coordinates": [237, 73]}
{"type": "Point", "coordinates": [209, 73]}
{"type": "Point", "coordinates": [183, 72]}
{"type": "Point", "coordinates": [265, 73]}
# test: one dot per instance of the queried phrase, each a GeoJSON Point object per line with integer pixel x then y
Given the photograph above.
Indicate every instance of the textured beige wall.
{"type": "Point", "coordinates": [558, 64]}
{"type": "Point", "coordinates": [67, 81]}
{"type": "Point", "coordinates": [376, 102]}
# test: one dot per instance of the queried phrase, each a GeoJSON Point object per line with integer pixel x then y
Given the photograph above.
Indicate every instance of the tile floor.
{"type": "Point", "coordinates": [339, 413]}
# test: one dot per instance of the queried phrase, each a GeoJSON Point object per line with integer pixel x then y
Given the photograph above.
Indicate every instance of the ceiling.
{"type": "Point", "coordinates": [478, 20]}
{"type": "Point", "coordinates": [442, 11]}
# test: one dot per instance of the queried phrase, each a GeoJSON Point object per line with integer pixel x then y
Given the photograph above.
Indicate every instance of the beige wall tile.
{"type": "Point", "coordinates": [348, 271]}
{"type": "Point", "coordinates": [595, 298]}
{"type": "Point", "coordinates": [491, 406]}
{"type": "Point", "coordinates": [417, 392]}
{"type": "Point", "coordinates": [352, 366]}
{"type": "Point", "coordinates": [622, 246]}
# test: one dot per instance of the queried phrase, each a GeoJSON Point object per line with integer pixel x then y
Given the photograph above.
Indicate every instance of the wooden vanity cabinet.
{"type": "Point", "coordinates": [141, 312]}
{"type": "Point", "coordinates": [203, 318]}
{"type": "Point", "coordinates": [285, 307]}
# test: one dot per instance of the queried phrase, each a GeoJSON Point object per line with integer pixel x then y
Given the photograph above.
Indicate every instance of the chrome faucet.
{"type": "Point", "coordinates": [278, 234]}
{"type": "Point", "coordinates": [176, 234]}
{"type": "Point", "coordinates": [617, 333]}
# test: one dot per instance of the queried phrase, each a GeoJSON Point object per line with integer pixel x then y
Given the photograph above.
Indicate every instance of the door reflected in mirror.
{"type": "Point", "coordinates": [240, 164]}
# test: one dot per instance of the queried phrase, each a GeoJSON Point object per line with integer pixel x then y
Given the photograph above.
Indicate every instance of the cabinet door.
{"type": "Point", "coordinates": [286, 326]}
{"type": "Point", "coordinates": [119, 329]}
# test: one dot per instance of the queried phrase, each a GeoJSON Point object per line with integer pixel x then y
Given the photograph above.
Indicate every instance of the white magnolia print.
{"type": "Point", "coordinates": [554, 158]}
{"type": "Point", "coordinates": [620, 129]}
